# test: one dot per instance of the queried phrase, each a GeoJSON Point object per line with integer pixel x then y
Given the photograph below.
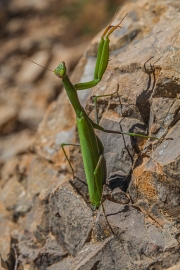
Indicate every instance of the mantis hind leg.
{"type": "Point", "coordinates": [68, 160]}
{"type": "Point", "coordinates": [94, 207]}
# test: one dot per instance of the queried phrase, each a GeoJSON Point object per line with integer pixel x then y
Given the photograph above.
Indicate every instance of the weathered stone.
{"type": "Point", "coordinates": [23, 166]}
{"type": "Point", "coordinates": [6, 228]}
{"type": "Point", "coordinates": [35, 221]}
{"type": "Point", "coordinates": [55, 130]}
{"type": "Point", "coordinates": [119, 196]}
{"type": "Point", "coordinates": [70, 218]}
{"type": "Point", "coordinates": [51, 253]}
{"type": "Point", "coordinates": [14, 26]}
{"type": "Point", "coordinates": [30, 114]}
{"type": "Point", "coordinates": [164, 114]}
{"type": "Point", "coordinates": [5, 247]}
{"type": "Point", "coordinates": [146, 234]}
{"type": "Point", "coordinates": [28, 250]}
{"type": "Point", "coordinates": [21, 6]}
{"type": "Point", "coordinates": [8, 170]}
{"type": "Point", "coordinates": [118, 149]}
{"type": "Point", "coordinates": [41, 175]}
{"type": "Point", "coordinates": [31, 73]}
{"type": "Point", "coordinates": [175, 267]}
{"type": "Point", "coordinates": [5, 239]}
{"type": "Point", "coordinates": [11, 193]}
{"type": "Point", "coordinates": [157, 178]}
{"type": "Point", "coordinates": [21, 142]}
{"type": "Point", "coordinates": [104, 255]}
{"type": "Point", "coordinates": [140, 236]}
{"type": "Point", "coordinates": [8, 115]}
{"type": "Point", "coordinates": [67, 55]}
{"type": "Point", "coordinates": [14, 184]}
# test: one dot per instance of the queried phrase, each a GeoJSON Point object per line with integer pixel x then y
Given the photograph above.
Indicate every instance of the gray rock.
{"type": "Point", "coordinates": [70, 218]}
{"type": "Point", "coordinates": [52, 223]}
{"type": "Point", "coordinates": [51, 253]}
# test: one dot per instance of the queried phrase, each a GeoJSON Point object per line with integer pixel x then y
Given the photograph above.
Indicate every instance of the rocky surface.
{"type": "Point", "coordinates": [46, 220]}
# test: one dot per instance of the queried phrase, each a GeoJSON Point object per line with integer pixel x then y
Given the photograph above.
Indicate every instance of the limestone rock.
{"type": "Point", "coordinates": [47, 217]}
{"type": "Point", "coordinates": [70, 219]}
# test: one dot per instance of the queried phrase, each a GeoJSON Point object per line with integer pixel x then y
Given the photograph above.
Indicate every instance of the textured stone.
{"type": "Point", "coordinates": [8, 115]}
{"type": "Point", "coordinates": [53, 221]}
{"type": "Point", "coordinates": [70, 218]}
{"type": "Point", "coordinates": [6, 228]}
{"type": "Point", "coordinates": [21, 142]}
{"type": "Point", "coordinates": [140, 237]}
{"type": "Point", "coordinates": [175, 267]}
{"type": "Point", "coordinates": [104, 255]}
{"type": "Point", "coordinates": [11, 193]}
{"type": "Point", "coordinates": [31, 73]}
{"type": "Point", "coordinates": [55, 130]}
{"type": "Point", "coordinates": [51, 253]}
{"type": "Point", "coordinates": [41, 175]}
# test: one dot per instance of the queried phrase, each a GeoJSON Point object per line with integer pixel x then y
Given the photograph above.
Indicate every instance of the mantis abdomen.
{"type": "Point", "coordinates": [92, 151]}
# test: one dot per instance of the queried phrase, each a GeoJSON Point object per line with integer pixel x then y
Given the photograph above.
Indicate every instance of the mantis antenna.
{"type": "Point", "coordinates": [38, 65]}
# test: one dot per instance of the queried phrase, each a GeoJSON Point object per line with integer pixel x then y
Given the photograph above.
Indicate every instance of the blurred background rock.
{"type": "Point", "coordinates": [46, 32]}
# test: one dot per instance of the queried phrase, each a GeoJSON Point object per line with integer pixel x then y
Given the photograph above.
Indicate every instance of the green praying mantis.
{"type": "Point", "coordinates": [91, 146]}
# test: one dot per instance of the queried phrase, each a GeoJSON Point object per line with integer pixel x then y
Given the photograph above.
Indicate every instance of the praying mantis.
{"type": "Point", "coordinates": [91, 146]}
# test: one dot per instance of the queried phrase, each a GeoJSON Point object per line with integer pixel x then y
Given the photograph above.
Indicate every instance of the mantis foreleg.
{"type": "Point", "coordinates": [102, 58]}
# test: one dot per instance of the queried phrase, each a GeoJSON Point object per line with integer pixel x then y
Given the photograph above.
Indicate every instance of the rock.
{"type": "Point", "coordinates": [30, 115]}
{"type": "Point", "coordinates": [6, 228]}
{"type": "Point", "coordinates": [156, 181]}
{"type": "Point", "coordinates": [30, 73]}
{"type": "Point", "coordinates": [175, 267]}
{"type": "Point", "coordinates": [14, 186]}
{"type": "Point", "coordinates": [20, 142]}
{"type": "Point", "coordinates": [5, 235]}
{"type": "Point", "coordinates": [28, 250]}
{"type": "Point", "coordinates": [52, 224]}
{"type": "Point", "coordinates": [5, 250]}
{"type": "Point", "coordinates": [8, 170]}
{"type": "Point", "coordinates": [138, 234]}
{"type": "Point", "coordinates": [41, 176]}
{"type": "Point", "coordinates": [118, 196]}
{"type": "Point", "coordinates": [70, 219]}
{"type": "Point", "coordinates": [56, 128]}
{"type": "Point", "coordinates": [119, 148]}
{"type": "Point", "coordinates": [100, 255]}
{"type": "Point", "coordinates": [8, 116]}
{"type": "Point", "coordinates": [67, 55]}
{"type": "Point", "coordinates": [24, 164]}
{"type": "Point", "coordinates": [14, 26]}
{"type": "Point", "coordinates": [34, 222]}
{"type": "Point", "coordinates": [11, 193]}
{"type": "Point", "coordinates": [21, 6]}
{"type": "Point", "coordinates": [3, 213]}
{"type": "Point", "coordinates": [51, 253]}
{"type": "Point", "coordinates": [136, 104]}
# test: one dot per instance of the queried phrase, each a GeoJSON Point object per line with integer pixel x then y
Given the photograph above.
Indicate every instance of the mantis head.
{"type": "Point", "coordinates": [60, 71]}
